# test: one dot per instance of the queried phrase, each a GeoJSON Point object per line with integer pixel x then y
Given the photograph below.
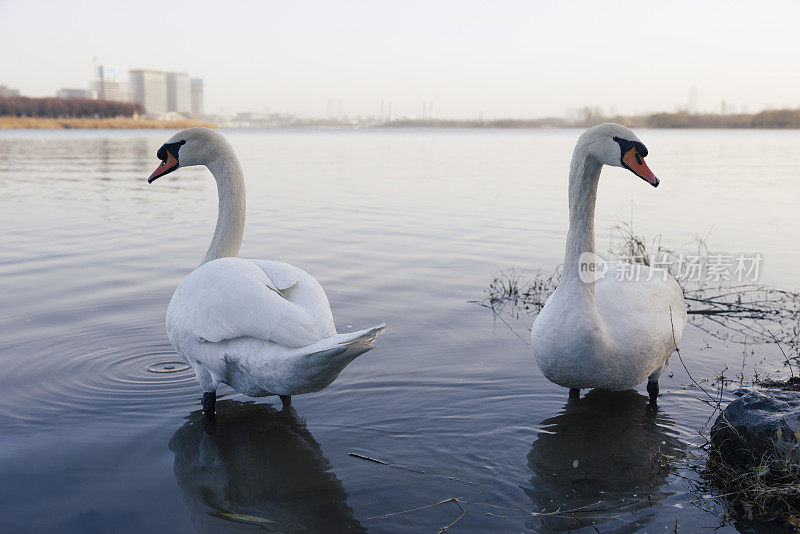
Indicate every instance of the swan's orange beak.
{"type": "Point", "coordinates": [166, 167]}
{"type": "Point", "coordinates": [635, 163]}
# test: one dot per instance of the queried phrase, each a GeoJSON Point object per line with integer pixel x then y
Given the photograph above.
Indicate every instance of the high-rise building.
{"type": "Point", "coordinates": [150, 90]}
{"type": "Point", "coordinates": [197, 96]}
{"type": "Point", "coordinates": [179, 95]}
{"type": "Point", "coordinates": [109, 86]}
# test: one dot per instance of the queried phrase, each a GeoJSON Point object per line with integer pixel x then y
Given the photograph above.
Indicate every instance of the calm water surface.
{"type": "Point", "coordinates": [399, 226]}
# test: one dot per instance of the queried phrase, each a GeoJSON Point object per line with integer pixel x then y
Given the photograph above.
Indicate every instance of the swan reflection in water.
{"type": "Point", "coordinates": [596, 457]}
{"type": "Point", "coordinates": [258, 466]}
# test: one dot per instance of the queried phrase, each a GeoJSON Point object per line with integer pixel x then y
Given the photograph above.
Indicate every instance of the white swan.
{"type": "Point", "coordinates": [617, 331]}
{"type": "Point", "coordinates": [262, 327]}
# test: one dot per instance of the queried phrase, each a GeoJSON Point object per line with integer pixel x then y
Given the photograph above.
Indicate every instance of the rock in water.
{"type": "Point", "coordinates": [756, 426]}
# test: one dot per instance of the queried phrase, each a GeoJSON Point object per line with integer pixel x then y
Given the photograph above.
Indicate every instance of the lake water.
{"type": "Point", "coordinates": [404, 227]}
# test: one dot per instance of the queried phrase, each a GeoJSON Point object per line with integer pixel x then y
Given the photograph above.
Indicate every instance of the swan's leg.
{"type": "Point", "coordinates": [286, 400]}
{"type": "Point", "coordinates": [574, 393]}
{"type": "Point", "coordinates": [209, 386]}
{"type": "Point", "coordinates": [652, 390]}
{"type": "Point", "coordinates": [652, 386]}
{"type": "Point", "coordinates": [209, 402]}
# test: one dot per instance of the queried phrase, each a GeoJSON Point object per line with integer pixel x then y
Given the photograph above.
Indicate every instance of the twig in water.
{"type": "Point", "coordinates": [788, 362]}
{"type": "Point", "coordinates": [367, 458]}
{"type": "Point", "coordinates": [418, 508]}
{"type": "Point", "coordinates": [509, 326]}
{"type": "Point", "coordinates": [412, 470]}
{"type": "Point", "coordinates": [678, 351]}
{"type": "Point", "coordinates": [457, 519]}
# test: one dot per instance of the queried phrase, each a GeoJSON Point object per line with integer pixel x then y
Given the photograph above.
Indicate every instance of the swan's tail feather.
{"type": "Point", "coordinates": [323, 361]}
{"type": "Point", "coordinates": [348, 346]}
{"type": "Point", "coordinates": [363, 337]}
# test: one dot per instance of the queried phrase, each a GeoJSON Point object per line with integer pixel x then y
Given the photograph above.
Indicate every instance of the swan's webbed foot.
{"type": "Point", "coordinates": [286, 400]}
{"type": "Point", "coordinates": [574, 393]}
{"type": "Point", "coordinates": [652, 390]}
{"type": "Point", "coordinates": [209, 402]}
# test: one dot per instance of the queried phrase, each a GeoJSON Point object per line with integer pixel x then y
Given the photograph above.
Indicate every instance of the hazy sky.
{"type": "Point", "coordinates": [501, 59]}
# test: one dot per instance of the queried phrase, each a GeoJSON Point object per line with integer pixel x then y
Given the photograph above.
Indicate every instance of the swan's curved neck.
{"type": "Point", "coordinates": [584, 175]}
{"type": "Point", "coordinates": [231, 215]}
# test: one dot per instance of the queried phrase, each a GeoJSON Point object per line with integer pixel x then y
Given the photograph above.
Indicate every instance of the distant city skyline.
{"type": "Point", "coordinates": [442, 59]}
{"type": "Point", "coordinates": [159, 93]}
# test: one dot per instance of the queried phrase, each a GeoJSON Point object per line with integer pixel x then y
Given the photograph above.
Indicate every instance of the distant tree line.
{"type": "Point", "coordinates": [780, 118]}
{"type": "Point", "coordinates": [59, 108]}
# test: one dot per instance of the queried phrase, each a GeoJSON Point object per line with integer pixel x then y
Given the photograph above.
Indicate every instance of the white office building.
{"type": "Point", "coordinates": [179, 92]}
{"type": "Point", "coordinates": [197, 97]}
{"type": "Point", "coordinates": [150, 90]}
{"type": "Point", "coordinates": [108, 85]}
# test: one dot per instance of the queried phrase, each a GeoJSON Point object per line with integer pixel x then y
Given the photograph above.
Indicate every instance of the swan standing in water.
{"type": "Point", "coordinates": [608, 329]}
{"type": "Point", "coordinates": [262, 327]}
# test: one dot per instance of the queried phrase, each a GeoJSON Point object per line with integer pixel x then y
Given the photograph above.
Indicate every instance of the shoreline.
{"type": "Point", "coordinates": [762, 121]}
{"type": "Point", "coordinates": [41, 123]}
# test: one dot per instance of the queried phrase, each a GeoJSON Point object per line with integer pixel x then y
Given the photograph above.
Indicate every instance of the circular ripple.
{"type": "Point", "coordinates": [136, 372]}
{"type": "Point", "coordinates": [167, 367]}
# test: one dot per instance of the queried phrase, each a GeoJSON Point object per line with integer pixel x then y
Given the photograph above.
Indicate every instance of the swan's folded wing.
{"type": "Point", "coordinates": [302, 289]}
{"type": "Point", "coordinates": [283, 275]}
{"type": "Point", "coordinates": [232, 297]}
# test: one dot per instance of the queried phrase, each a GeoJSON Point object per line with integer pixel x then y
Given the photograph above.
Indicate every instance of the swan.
{"type": "Point", "coordinates": [607, 325]}
{"type": "Point", "coordinates": [262, 327]}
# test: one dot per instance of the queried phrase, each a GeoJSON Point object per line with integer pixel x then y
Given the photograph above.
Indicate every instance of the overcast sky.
{"type": "Point", "coordinates": [499, 59]}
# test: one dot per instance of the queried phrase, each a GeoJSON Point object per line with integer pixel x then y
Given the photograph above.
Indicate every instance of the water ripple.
{"type": "Point", "coordinates": [83, 376]}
